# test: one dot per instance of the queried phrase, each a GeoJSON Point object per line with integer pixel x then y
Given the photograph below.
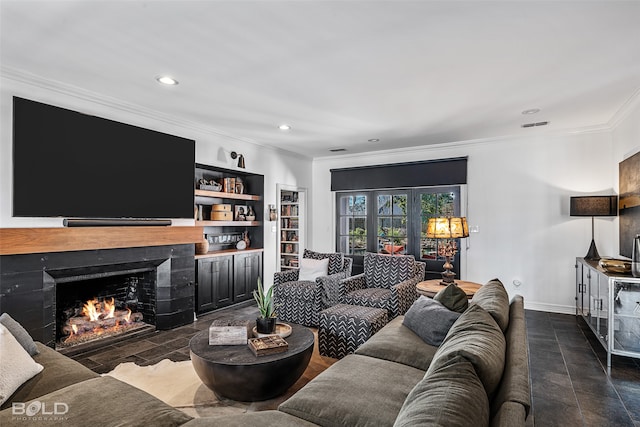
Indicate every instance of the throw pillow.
{"type": "Point", "coordinates": [478, 338]}
{"type": "Point", "coordinates": [452, 297]}
{"type": "Point", "coordinates": [19, 333]}
{"type": "Point", "coordinates": [494, 298]}
{"type": "Point", "coordinates": [311, 268]}
{"type": "Point", "coordinates": [336, 259]}
{"type": "Point", "coordinates": [450, 396]}
{"type": "Point", "coordinates": [17, 366]}
{"type": "Point", "coordinates": [429, 320]}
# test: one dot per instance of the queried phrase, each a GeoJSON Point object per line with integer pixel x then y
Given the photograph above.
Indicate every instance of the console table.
{"type": "Point", "coordinates": [610, 304]}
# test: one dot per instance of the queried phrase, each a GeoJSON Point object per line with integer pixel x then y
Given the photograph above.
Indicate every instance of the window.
{"type": "Point", "coordinates": [352, 220]}
{"type": "Point", "coordinates": [394, 222]}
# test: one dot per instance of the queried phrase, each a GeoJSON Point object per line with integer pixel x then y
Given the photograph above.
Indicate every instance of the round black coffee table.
{"type": "Point", "coordinates": [234, 372]}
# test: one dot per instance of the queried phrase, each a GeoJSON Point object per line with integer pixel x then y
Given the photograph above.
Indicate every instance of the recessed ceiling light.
{"type": "Point", "coordinates": [166, 80]}
{"type": "Point", "coordinates": [531, 111]}
{"type": "Point", "coordinates": [373, 140]}
{"type": "Point", "coordinates": [284, 127]}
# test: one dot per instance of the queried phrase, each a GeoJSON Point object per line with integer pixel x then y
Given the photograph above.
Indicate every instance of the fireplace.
{"type": "Point", "coordinates": [47, 292]}
{"type": "Point", "coordinates": [110, 304]}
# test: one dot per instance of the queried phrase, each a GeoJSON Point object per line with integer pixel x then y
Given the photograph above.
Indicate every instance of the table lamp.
{"type": "Point", "coordinates": [593, 206]}
{"type": "Point", "coordinates": [448, 228]}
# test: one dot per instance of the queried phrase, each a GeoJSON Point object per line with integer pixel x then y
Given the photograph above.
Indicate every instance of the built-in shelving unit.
{"type": "Point", "coordinates": [291, 226]}
{"type": "Point", "coordinates": [228, 273]}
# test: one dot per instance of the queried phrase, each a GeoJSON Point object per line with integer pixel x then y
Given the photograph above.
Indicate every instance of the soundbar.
{"type": "Point", "coordinates": [115, 222]}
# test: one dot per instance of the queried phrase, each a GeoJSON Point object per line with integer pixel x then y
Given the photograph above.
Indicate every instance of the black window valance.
{"type": "Point", "coordinates": [412, 174]}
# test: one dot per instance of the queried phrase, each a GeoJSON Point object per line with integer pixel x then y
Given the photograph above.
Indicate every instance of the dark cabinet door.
{"type": "Point", "coordinates": [247, 269]}
{"type": "Point", "coordinates": [215, 283]}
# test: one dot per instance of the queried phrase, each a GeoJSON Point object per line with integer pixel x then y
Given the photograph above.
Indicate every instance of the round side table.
{"type": "Point", "coordinates": [430, 288]}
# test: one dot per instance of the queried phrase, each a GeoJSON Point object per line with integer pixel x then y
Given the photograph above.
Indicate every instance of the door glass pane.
{"type": "Point", "coordinates": [353, 224]}
{"type": "Point", "coordinates": [434, 205]}
{"type": "Point", "coordinates": [392, 223]}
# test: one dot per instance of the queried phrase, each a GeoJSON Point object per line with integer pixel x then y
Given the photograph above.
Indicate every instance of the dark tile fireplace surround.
{"type": "Point", "coordinates": [29, 283]}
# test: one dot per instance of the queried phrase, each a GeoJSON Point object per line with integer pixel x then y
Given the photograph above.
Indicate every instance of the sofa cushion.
{"type": "Point", "coordinates": [384, 271]}
{"type": "Point", "coordinates": [453, 297]}
{"type": "Point", "coordinates": [102, 397]}
{"type": "Point", "coordinates": [17, 366]}
{"type": "Point", "coordinates": [358, 390]}
{"type": "Point", "coordinates": [476, 337]}
{"type": "Point", "coordinates": [449, 396]}
{"type": "Point", "coordinates": [335, 259]}
{"type": "Point", "coordinates": [59, 371]}
{"type": "Point", "coordinates": [430, 320]}
{"type": "Point", "coordinates": [257, 418]}
{"type": "Point", "coordinates": [310, 268]}
{"type": "Point", "coordinates": [493, 297]}
{"type": "Point", "coordinates": [19, 333]}
{"type": "Point", "coordinates": [515, 386]}
{"type": "Point", "coordinates": [397, 343]}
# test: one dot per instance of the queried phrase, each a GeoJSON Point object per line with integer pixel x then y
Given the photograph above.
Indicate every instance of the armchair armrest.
{"type": "Point", "coordinates": [404, 293]}
{"type": "Point", "coordinates": [351, 284]}
{"type": "Point", "coordinates": [285, 276]}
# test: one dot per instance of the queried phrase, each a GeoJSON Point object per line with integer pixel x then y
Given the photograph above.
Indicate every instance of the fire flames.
{"type": "Point", "coordinates": [98, 318]}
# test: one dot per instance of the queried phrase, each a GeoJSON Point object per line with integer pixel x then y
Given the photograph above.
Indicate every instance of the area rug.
{"type": "Point", "coordinates": [178, 385]}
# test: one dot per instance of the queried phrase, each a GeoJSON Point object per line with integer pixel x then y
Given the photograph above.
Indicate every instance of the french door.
{"type": "Point", "coordinates": [394, 222]}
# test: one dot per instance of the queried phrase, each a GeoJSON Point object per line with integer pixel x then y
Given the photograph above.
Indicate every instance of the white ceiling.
{"type": "Point", "coordinates": [340, 72]}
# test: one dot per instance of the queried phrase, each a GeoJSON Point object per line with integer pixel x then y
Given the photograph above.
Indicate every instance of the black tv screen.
{"type": "Point", "coordinates": [69, 164]}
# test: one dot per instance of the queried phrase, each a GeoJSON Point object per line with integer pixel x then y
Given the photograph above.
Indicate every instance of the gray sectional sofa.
{"type": "Point", "coordinates": [479, 375]}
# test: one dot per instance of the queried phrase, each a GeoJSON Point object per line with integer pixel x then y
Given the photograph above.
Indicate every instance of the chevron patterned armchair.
{"type": "Point", "coordinates": [388, 282]}
{"type": "Point", "coordinates": [300, 301]}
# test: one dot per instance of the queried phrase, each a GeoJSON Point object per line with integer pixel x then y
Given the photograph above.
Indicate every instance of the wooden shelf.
{"type": "Point", "coordinates": [64, 239]}
{"type": "Point", "coordinates": [228, 223]}
{"type": "Point", "coordinates": [221, 195]}
{"type": "Point", "coordinates": [225, 252]}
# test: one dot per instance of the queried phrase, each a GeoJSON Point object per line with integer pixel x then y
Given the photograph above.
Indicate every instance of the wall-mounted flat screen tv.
{"type": "Point", "coordinates": [69, 164]}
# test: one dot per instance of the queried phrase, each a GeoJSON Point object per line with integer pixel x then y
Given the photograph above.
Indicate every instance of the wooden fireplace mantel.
{"type": "Point", "coordinates": [14, 241]}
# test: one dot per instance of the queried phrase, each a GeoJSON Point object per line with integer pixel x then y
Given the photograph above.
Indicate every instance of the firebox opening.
{"type": "Point", "coordinates": [97, 306]}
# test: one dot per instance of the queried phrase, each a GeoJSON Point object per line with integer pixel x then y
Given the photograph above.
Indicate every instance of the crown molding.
{"type": "Point", "coordinates": [625, 109]}
{"type": "Point", "coordinates": [467, 143]}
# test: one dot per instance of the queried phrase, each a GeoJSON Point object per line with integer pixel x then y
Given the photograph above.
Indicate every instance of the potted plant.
{"type": "Point", "coordinates": [266, 323]}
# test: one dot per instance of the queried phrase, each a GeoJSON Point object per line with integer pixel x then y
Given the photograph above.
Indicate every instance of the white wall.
{"type": "Point", "coordinates": [518, 196]}
{"type": "Point", "coordinates": [212, 148]}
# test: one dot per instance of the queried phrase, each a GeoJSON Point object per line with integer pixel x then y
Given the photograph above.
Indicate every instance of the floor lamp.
{"type": "Point", "coordinates": [593, 206]}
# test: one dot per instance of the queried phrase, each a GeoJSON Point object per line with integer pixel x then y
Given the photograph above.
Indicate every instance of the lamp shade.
{"type": "Point", "coordinates": [594, 206]}
{"type": "Point", "coordinates": [447, 228]}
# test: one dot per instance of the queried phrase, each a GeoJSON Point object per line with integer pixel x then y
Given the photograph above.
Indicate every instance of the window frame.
{"type": "Point", "coordinates": [414, 223]}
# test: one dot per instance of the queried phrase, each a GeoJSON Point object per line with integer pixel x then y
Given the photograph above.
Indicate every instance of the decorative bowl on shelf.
{"type": "Point", "coordinates": [618, 266]}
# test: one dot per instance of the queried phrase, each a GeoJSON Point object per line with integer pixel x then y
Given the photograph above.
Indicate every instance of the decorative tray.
{"type": "Point", "coordinates": [282, 330]}
{"type": "Point", "coordinates": [612, 265]}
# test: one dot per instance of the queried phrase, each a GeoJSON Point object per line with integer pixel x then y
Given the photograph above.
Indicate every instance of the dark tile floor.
{"type": "Point", "coordinates": [569, 381]}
